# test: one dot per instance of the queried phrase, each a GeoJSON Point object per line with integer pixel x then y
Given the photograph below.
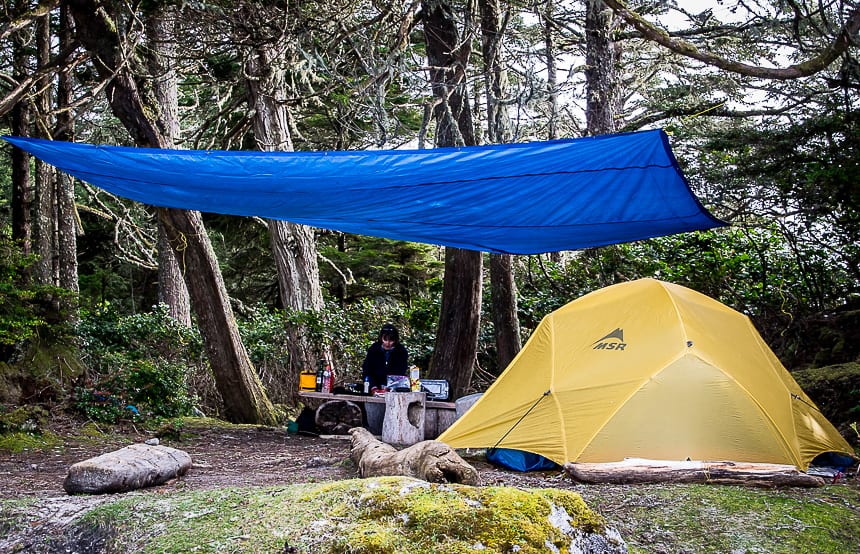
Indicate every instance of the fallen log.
{"type": "Point", "coordinates": [641, 471]}
{"type": "Point", "coordinates": [133, 467]}
{"type": "Point", "coordinates": [429, 460]}
{"type": "Point", "coordinates": [337, 417]}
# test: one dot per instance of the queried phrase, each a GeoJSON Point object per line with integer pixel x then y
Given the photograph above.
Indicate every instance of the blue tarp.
{"type": "Point", "coordinates": [519, 460]}
{"type": "Point", "coordinates": [523, 198]}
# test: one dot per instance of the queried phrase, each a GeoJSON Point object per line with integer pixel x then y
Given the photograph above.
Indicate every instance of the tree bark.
{"type": "Point", "coordinates": [431, 460]}
{"type": "Point", "coordinates": [45, 221]}
{"type": "Point", "coordinates": [502, 288]}
{"type": "Point", "coordinates": [495, 73]}
{"type": "Point", "coordinates": [337, 417]}
{"type": "Point", "coordinates": [68, 227]}
{"type": "Point", "coordinates": [405, 413]}
{"type": "Point", "coordinates": [551, 83]}
{"type": "Point", "coordinates": [601, 59]}
{"type": "Point", "coordinates": [160, 30]}
{"type": "Point", "coordinates": [293, 246]}
{"type": "Point", "coordinates": [448, 57]}
{"type": "Point", "coordinates": [130, 468]}
{"type": "Point", "coordinates": [244, 398]}
{"type": "Point", "coordinates": [506, 323]}
{"type": "Point", "coordinates": [459, 318]}
{"type": "Point", "coordinates": [551, 70]}
{"type": "Point", "coordinates": [22, 195]}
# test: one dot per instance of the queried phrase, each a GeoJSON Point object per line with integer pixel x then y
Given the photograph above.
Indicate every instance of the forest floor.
{"type": "Point", "coordinates": [250, 456]}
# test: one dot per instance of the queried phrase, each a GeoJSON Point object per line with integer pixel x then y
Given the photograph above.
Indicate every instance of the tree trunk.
{"type": "Point", "coordinates": [636, 472]}
{"type": "Point", "coordinates": [495, 73]}
{"type": "Point", "coordinates": [405, 414]}
{"type": "Point", "coordinates": [506, 323]}
{"type": "Point", "coordinates": [337, 417]}
{"type": "Point", "coordinates": [601, 58]}
{"type": "Point", "coordinates": [295, 255]}
{"type": "Point", "coordinates": [46, 269]}
{"type": "Point", "coordinates": [160, 30]}
{"type": "Point", "coordinates": [293, 246]}
{"type": "Point", "coordinates": [448, 57]}
{"type": "Point", "coordinates": [21, 189]}
{"type": "Point", "coordinates": [551, 73]}
{"type": "Point", "coordinates": [459, 318]}
{"type": "Point", "coordinates": [601, 77]}
{"type": "Point", "coordinates": [68, 227]}
{"type": "Point", "coordinates": [502, 288]}
{"type": "Point", "coordinates": [244, 398]}
{"type": "Point", "coordinates": [130, 468]}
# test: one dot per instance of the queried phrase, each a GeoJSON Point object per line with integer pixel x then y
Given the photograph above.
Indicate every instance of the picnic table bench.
{"type": "Point", "coordinates": [437, 415]}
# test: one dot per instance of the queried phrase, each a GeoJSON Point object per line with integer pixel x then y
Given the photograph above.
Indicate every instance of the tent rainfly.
{"type": "Point", "coordinates": [648, 369]}
{"type": "Point", "coordinates": [523, 198]}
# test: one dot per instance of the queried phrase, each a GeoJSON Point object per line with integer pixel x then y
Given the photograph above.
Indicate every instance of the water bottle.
{"type": "Point", "coordinates": [366, 384]}
{"type": "Point", "coordinates": [319, 385]}
{"type": "Point", "coordinates": [327, 379]}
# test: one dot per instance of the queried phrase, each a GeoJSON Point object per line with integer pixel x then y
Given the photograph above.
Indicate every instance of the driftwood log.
{"type": "Point", "coordinates": [337, 417]}
{"type": "Point", "coordinates": [133, 467]}
{"type": "Point", "coordinates": [640, 471]}
{"type": "Point", "coordinates": [429, 460]}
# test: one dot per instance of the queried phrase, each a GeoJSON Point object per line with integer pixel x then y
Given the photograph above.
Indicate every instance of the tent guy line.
{"type": "Point", "coordinates": [508, 432]}
{"type": "Point", "coordinates": [521, 198]}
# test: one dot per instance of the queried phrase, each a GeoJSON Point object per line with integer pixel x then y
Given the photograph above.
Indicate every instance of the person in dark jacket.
{"type": "Point", "coordinates": [385, 357]}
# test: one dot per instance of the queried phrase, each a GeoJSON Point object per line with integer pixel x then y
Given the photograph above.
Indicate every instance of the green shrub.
{"type": "Point", "coordinates": [27, 310]}
{"type": "Point", "coordinates": [138, 365]}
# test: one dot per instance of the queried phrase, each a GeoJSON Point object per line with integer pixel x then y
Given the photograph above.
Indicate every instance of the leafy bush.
{"type": "Point", "coordinates": [27, 310]}
{"type": "Point", "coordinates": [138, 365]}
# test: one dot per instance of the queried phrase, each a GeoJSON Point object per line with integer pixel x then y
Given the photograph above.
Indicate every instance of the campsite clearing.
{"type": "Point", "coordinates": [261, 461]}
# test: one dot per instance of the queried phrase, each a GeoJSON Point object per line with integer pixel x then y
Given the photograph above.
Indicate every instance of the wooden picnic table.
{"type": "Point", "coordinates": [438, 415]}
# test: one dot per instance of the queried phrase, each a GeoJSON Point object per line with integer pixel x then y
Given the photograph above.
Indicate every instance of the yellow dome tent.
{"type": "Point", "coordinates": [648, 369]}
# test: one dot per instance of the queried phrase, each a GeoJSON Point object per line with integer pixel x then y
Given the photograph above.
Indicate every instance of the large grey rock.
{"type": "Point", "coordinates": [133, 467]}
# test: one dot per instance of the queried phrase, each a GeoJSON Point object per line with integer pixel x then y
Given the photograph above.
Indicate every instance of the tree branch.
{"type": "Point", "coordinates": [44, 7]}
{"type": "Point", "coordinates": [846, 37]}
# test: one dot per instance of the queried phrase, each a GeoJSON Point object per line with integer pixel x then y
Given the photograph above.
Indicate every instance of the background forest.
{"type": "Point", "coordinates": [106, 304]}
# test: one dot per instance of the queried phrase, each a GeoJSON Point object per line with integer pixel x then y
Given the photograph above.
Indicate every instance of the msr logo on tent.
{"type": "Point", "coordinates": [612, 341]}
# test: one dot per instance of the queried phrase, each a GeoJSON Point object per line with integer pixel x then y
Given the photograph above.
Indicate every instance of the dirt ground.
{"type": "Point", "coordinates": [225, 456]}
{"type": "Point", "coordinates": [221, 457]}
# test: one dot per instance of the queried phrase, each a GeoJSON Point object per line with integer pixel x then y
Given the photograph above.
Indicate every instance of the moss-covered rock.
{"type": "Point", "coordinates": [836, 391]}
{"type": "Point", "coordinates": [388, 514]}
{"type": "Point", "coordinates": [24, 419]}
{"type": "Point", "coordinates": [405, 515]}
{"type": "Point", "coordinates": [41, 374]}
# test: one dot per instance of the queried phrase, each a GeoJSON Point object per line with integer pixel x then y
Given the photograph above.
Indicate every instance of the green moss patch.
{"type": "Point", "coordinates": [21, 442]}
{"type": "Point", "coordinates": [717, 519]}
{"type": "Point", "coordinates": [397, 515]}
